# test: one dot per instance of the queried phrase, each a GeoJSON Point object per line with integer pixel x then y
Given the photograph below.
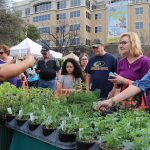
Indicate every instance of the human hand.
{"type": "Point", "coordinates": [118, 79]}
{"type": "Point", "coordinates": [13, 61]}
{"type": "Point", "coordinates": [111, 94]}
{"type": "Point", "coordinates": [104, 105]}
{"type": "Point", "coordinates": [30, 59]}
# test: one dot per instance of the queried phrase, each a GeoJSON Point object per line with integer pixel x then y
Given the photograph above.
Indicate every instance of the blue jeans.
{"type": "Point", "coordinates": [47, 84]}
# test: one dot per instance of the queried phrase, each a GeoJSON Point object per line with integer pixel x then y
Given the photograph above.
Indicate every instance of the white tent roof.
{"type": "Point", "coordinates": [24, 46]}
{"type": "Point", "coordinates": [56, 54]}
{"type": "Point", "coordinates": [71, 55]}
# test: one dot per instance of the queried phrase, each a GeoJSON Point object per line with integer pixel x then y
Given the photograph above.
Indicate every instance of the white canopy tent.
{"type": "Point", "coordinates": [71, 55]}
{"type": "Point", "coordinates": [56, 54]}
{"type": "Point", "coordinates": [22, 48]}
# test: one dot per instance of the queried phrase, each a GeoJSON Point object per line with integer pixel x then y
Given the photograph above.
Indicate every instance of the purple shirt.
{"type": "Point", "coordinates": [134, 71]}
{"type": "Point", "coordinates": [11, 80]}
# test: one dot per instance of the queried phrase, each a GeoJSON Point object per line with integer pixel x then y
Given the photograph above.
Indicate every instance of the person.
{"type": "Point", "coordinates": [83, 60]}
{"type": "Point", "coordinates": [135, 88]}
{"type": "Point", "coordinates": [98, 68]}
{"type": "Point", "coordinates": [32, 76]}
{"type": "Point", "coordinates": [6, 58]}
{"type": "Point", "coordinates": [48, 68]}
{"type": "Point", "coordinates": [133, 66]}
{"type": "Point", "coordinates": [11, 70]}
{"type": "Point", "coordinates": [71, 76]}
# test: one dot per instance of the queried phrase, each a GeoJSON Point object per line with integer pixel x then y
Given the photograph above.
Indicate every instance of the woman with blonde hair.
{"type": "Point", "coordinates": [133, 66]}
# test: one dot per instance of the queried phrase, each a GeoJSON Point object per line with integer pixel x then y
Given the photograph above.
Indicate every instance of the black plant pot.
{"type": "Point", "coordinates": [84, 145]}
{"type": "Point", "coordinates": [33, 126]}
{"type": "Point", "coordinates": [20, 122]}
{"type": "Point", "coordinates": [9, 117]}
{"type": "Point", "coordinates": [65, 137]}
{"type": "Point", "coordinates": [47, 131]}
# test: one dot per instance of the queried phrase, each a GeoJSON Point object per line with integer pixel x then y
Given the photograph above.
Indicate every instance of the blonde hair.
{"type": "Point", "coordinates": [136, 49]}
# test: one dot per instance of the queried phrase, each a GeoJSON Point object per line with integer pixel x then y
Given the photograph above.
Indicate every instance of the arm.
{"type": "Point", "coordinates": [11, 70]}
{"type": "Point", "coordinates": [88, 77]}
{"type": "Point", "coordinates": [130, 91]}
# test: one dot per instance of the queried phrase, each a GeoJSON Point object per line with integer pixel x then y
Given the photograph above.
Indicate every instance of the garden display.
{"type": "Point", "coordinates": [74, 115]}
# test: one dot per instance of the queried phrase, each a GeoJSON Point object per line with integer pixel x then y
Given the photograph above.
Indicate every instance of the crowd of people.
{"type": "Point", "coordinates": [131, 72]}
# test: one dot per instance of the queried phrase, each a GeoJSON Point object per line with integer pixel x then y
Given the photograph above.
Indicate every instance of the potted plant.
{"type": "Point", "coordinates": [34, 122]}
{"type": "Point", "coordinates": [87, 134]}
{"type": "Point", "coordinates": [67, 132]}
{"type": "Point", "coordinates": [49, 125]}
{"type": "Point", "coordinates": [21, 118]}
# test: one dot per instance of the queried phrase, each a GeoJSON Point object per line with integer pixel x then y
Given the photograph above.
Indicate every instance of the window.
{"type": "Point", "coordinates": [61, 29]}
{"type": "Point", "coordinates": [74, 14]}
{"type": "Point", "coordinates": [75, 41]}
{"type": "Point", "coordinates": [88, 42]}
{"type": "Point", "coordinates": [27, 11]}
{"type": "Point", "coordinates": [44, 30]}
{"type": "Point", "coordinates": [43, 7]}
{"type": "Point", "coordinates": [88, 4]}
{"type": "Point", "coordinates": [42, 18]}
{"type": "Point", "coordinates": [93, 7]}
{"type": "Point", "coordinates": [61, 4]}
{"type": "Point", "coordinates": [98, 29]}
{"type": "Point", "coordinates": [98, 16]}
{"type": "Point", "coordinates": [75, 3]}
{"type": "Point", "coordinates": [88, 15]}
{"type": "Point", "coordinates": [61, 16]}
{"type": "Point", "coordinates": [74, 27]}
{"type": "Point", "coordinates": [139, 11]}
{"type": "Point", "coordinates": [88, 28]}
{"type": "Point", "coordinates": [139, 25]}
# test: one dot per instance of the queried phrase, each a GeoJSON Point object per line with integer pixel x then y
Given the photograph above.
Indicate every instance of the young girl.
{"type": "Point", "coordinates": [71, 76]}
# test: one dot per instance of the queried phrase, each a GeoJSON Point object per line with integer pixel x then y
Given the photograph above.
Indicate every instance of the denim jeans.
{"type": "Point", "coordinates": [47, 84]}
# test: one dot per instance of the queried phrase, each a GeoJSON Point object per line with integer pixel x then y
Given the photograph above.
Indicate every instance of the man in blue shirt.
{"type": "Point", "coordinates": [98, 68]}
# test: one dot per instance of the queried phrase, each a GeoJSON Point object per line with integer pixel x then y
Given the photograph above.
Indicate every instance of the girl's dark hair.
{"type": "Point", "coordinates": [77, 69]}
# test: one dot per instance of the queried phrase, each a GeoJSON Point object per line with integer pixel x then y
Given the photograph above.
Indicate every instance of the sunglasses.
{"type": "Point", "coordinates": [1, 53]}
{"type": "Point", "coordinates": [43, 53]}
{"type": "Point", "coordinates": [94, 47]}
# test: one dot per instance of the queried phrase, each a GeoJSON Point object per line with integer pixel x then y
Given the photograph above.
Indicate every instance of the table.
{"type": "Point", "coordinates": [21, 141]}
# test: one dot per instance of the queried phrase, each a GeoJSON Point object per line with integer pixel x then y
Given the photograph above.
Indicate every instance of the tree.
{"type": "Point", "coordinates": [61, 37]}
{"type": "Point", "coordinates": [32, 32]}
{"type": "Point", "coordinates": [11, 28]}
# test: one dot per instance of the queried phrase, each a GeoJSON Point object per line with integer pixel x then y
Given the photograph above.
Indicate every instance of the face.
{"type": "Point", "coordinates": [124, 46]}
{"type": "Point", "coordinates": [2, 53]}
{"type": "Point", "coordinates": [69, 67]}
{"type": "Point", "coordinates": [98, 51]}
{"type": "Point", "coordinates": [45, 54]}
{"type": "Point", "coordinates": [84, 61]}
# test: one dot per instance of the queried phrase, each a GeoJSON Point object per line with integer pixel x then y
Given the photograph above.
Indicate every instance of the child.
{"type": "Point", "coordinates": [71, 75]}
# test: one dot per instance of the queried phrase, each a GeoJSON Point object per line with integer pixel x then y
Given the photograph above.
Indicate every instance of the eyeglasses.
{"type": "Point", "coordinates": [1, 53]}
{"type": "Point", "coordinates": [123, 42]}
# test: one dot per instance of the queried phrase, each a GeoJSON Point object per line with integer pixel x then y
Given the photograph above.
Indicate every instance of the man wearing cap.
{"type": "Point", "coordinates": [47, 68]}
{"type": "Point", "coordinates": [98, 68]}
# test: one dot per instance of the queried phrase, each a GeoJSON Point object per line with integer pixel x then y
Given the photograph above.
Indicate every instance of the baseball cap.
{"type": "Point", "coordinates": [44, 49]}
{"type": "Point", "coordinates": [97, 43]}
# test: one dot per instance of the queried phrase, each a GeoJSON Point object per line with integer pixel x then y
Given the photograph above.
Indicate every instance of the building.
{"type": "Point", "coordinates": [89, 19]}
